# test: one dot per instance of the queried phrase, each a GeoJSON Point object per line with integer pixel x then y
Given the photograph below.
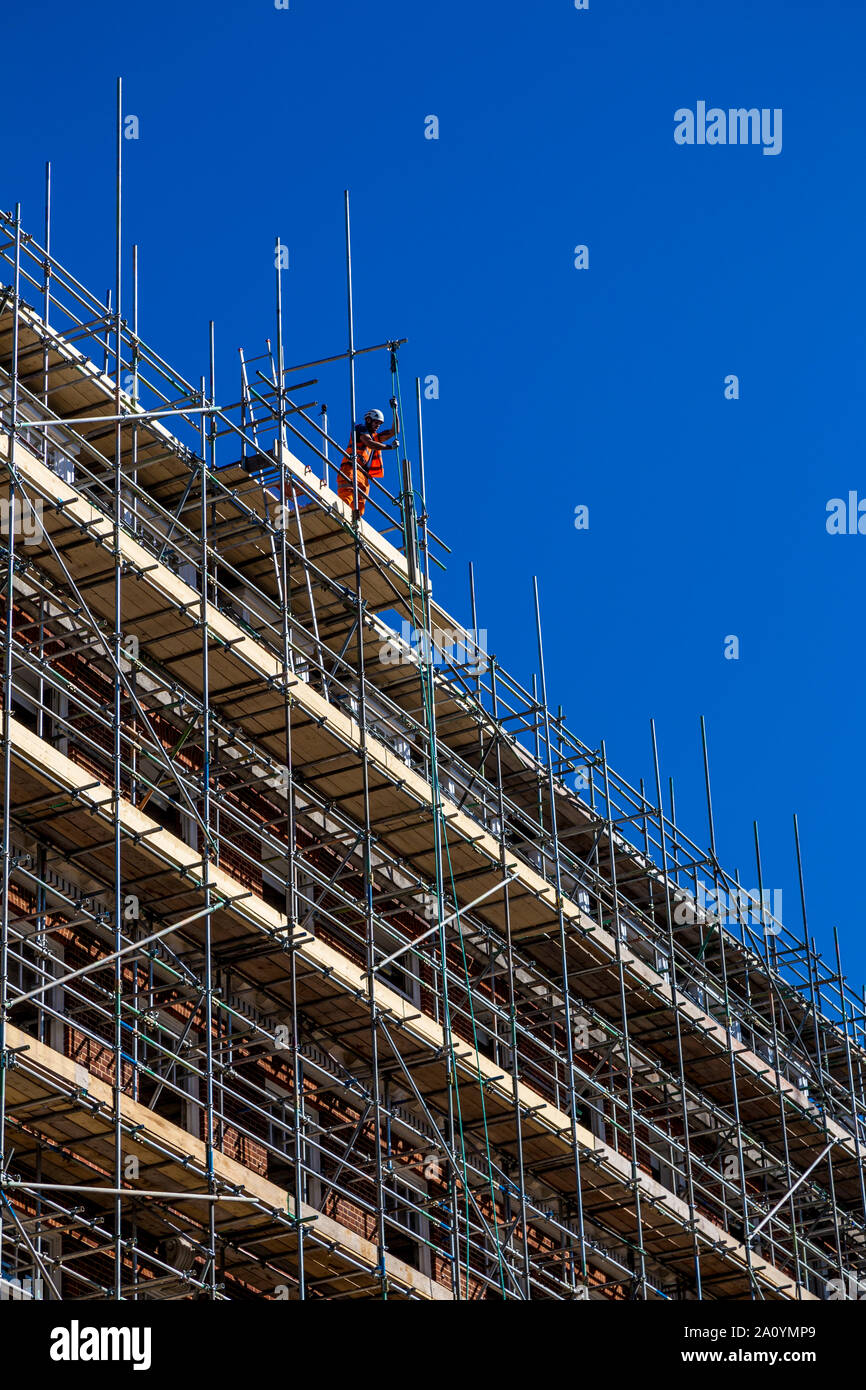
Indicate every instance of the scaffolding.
{"type": "Point", "coordinates": [333, 965]}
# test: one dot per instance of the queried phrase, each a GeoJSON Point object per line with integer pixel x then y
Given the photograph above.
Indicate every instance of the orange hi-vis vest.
{"type": "Point", "coordinates": [369, 460]}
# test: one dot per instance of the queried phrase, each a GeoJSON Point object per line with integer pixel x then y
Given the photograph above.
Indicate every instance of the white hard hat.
{"type": "Point", "coordinates": [375, 415]}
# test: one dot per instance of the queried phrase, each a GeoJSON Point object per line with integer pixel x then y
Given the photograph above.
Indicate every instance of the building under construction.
{"type": "Point", "coordinates": [333, 965]}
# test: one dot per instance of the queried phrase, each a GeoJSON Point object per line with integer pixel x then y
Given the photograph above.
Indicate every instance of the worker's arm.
{"type": "Point", "coordinates": [366, 441]}
{"type": "Point", "coordinates": [395, 428]}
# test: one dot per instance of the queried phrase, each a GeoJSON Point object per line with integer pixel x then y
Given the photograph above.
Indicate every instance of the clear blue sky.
{"type": "Point", "coordinates": [558, 387]}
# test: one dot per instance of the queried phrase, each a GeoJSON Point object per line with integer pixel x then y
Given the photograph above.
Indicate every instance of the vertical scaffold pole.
{"type": "Point", "coordinates": [365, 779]}
{"type": "Point", "coordinates": [46, 302]}
{"type": "Point", "coordinates": [672, 985]}
{"type": "Point", "coordinates": [204, 834]}
{"type": "Point", "coordinates": [430, 716]}
{"type": "Point", "coordinates": [7, 705]}
{"type": "Point", "coordinates": [510, 985]}
{"type": "Point", "coordinates": [291, 897]}
{"type": "Point", "coordinates": [729, 1037]}
{"type": "Point", "coordinates": [117, 715]}
{"type": "Point", "coordinates": [771, 959]}
{"type": "Point", "coordinates": [626, 1040]}
{"type": "Point", "coordinates": [563, 948]}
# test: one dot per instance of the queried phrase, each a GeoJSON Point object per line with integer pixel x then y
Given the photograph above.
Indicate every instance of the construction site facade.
{"type": "Point", "coordinates": [333, 965]}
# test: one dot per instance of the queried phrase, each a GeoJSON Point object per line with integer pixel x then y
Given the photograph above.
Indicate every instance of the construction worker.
{"type": "Point", "coordinates": [369, 441]}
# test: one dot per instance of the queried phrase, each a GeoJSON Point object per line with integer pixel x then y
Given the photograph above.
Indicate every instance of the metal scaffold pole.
{"type": "Point", "coordinates": [290, 899]}
{"type": "Point", "coordinates": [369, 927]}
{"type": "Point", "coordinates": [5, 1058]}
{"type": "Point", "coordinates": [568, 1024]}
{"type": "Point", "coordinates": [117, 715]}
